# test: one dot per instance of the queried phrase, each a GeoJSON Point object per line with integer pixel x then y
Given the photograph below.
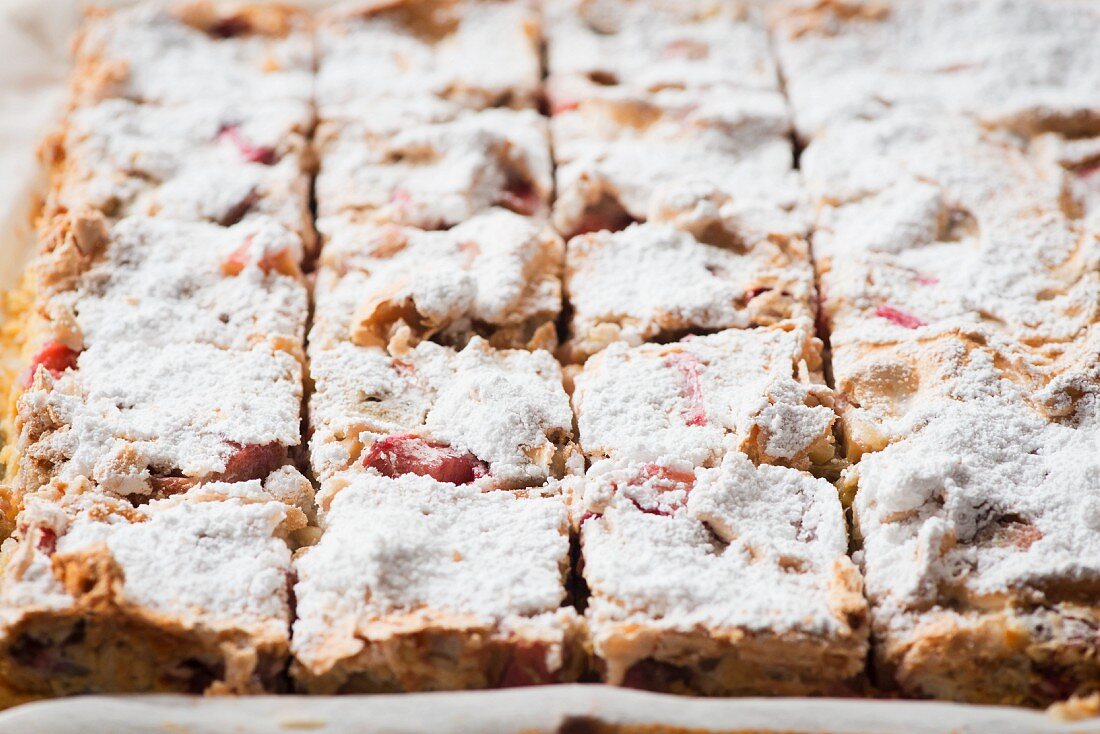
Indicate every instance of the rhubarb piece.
{"type": "Point", "coordinates": [497, 275]}
{"type": "Point", "coordinates": [494, 418]}
{"type": "Point", "coordinates": [418, 585]}
{"type": "Point", "coordinates": [248, 150]}
{"type": "Point", "coordinates": [55, 358]}
{"type": "Point", "coordinates": [756, 391]}
{"type": "Point", "coordinates": [88, 608]}
{"type": "Point", "coordinates": [899, 317]}
{"type": "Point", "coordinates": [797, 624]}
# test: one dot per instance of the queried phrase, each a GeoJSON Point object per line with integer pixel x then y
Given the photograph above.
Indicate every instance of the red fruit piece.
{"type": "Point", "coordinates": [55, 357]}
{"type": "Point", "coordinates": [667, 474]}
{"type": "Point", "coordinates": [231, 133]}
{"type": "Point", "coordinates": [559, 105]}
{"type": "Point", "coordinates": [751, 294]}
{"type": "Point", "coordinates": [527, 666]}
{"type": "Point", "coordinates": [688, 364]}
{"type": "Point", "coordinates": [901, 318]}
{"type": "Point", "coordinates": [280, 261]}
{"type": "Point", "coordinates": [927, 279]}
{"type": "Point", "coordinates": [47, 541]}
{"type": "Point", "coordinates": [521, 197]}
{"type": "Point", "coordinates": [394, 456]}
{"type": "Point", "coordinates": [252, 461]}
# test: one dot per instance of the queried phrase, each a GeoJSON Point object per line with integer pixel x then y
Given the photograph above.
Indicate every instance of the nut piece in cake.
{"type": "Point", "coordinates": [497, 275]}
{"type": "Point", "coordinates": [495, 418]}
{"type": "Point", "coordinates": [979, 534]}
{"type": "Point", "coordinates": [168, 53]}
{"type": "Point", "coordinates": [138, 419]}
{"type": "Point", "coordinates": [184, 595]}
{"type": "Point", "coordinates": [733, 580]}
{"type": "Point", "coordinates": [435, 175]}
{"type": "Point", "coordinates": [208, 160]}
{"type": "Point", "coordinates": [643, 47]}
{"type": "Point", "coordinates": [427, 55]}
{"type": "Point", "coordinates": [655, 282]}
{"type": "Point", "coordinates": [417, 585]}
{"type": "Point", "coordinates": [756, 391]}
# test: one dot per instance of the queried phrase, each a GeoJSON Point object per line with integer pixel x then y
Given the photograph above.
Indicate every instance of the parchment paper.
{"type": "Point", "coordinates": [34, 67]}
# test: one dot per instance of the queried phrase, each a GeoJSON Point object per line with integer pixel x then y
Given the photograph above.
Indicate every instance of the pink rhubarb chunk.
{"type": "Point", "coordinates": [394, 456]}
{"type": "Point", "coordinates": [901, 318]}
{"type": "Point", "coordinates": [689, 367]}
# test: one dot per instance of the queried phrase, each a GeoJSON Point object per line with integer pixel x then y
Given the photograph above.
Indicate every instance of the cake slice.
{"type": "Point", "coordinates": [643, 47]}
{"type": "Point", "coordinates": [137, 419]}
{"type": "Point", "coordinates": [420, 585]}
{"type": "Point", "coordinates": [178, 51]}
{"type": "Point", "coordinates": [979, 553]}
{"type": "Point", "coordinates": [732, 580]}
{"type": "Point", "coordinates": [158, 281]}
{"type": "Point", "coordinates": [656, 282]}
{"type": "Point", "coordinates": [497, 275]}
{"type": "Point", "coordinates": [492, 418]}
{"type": "Point", "coordinates": [412, 55]}
{"type": "Point", "coordinates": [184, 595]}
{"type": "Point", "coordinates": [435, 175]}
{"type": "Point", "coordinates": [208, 160]}
{"type": "Point", "coordinates": [756, 391]}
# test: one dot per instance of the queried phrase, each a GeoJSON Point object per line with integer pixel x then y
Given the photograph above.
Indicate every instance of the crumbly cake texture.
{"type": "Point", "coordinates": [644, 47]}
{"type": "Point", "coordinates": [207, 160]}
{"type": "Point", "coordinates": [139, 419]}
{"type": "Point", "coordinates": [438, 174]}
{"type": "Point", "coordinates": [497, 274]}
{"type": "Point", "coordinates": [985, 541]}
{"type": "Point", "coordinates": [622, 159]}
{"type": "Point", "coordinates": [756, 391]}
{"type": "Point", "coordinates": [86, 607]}
{"type": "Point", "coordinates": [169, 52]}
{"type": "Point", "coordinates": [420, 585]}
{"type": "Point", "coordinates": [496, 418]}
{"type": "Point", "coordinates": [409, 55]}
{"type": "Point", "coordinates": [232, 287]}
{"type": "Point", "coordinates": [1032, 66]}
{"type": "Point", "coordinates": [664, 545]}
{"type": "Point", "coordinates": [653, 281]}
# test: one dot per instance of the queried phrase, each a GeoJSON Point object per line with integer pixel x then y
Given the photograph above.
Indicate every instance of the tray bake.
{"type": "Point", "coordinates": [714, 348]}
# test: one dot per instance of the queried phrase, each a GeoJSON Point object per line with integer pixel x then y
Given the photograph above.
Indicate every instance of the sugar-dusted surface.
{"type": "Point", "coordinates": [497, 273]}
{"type": "Point", "coordinates": [157, 281]}
{"type": "Point", "coordinates": [654, 280]}
{"type": "Point", "coordinates": [664, 547]}
{"type": "Point", "coordinates": [1027, 65]}
{"type": "Point", "coordinates": [409, 556]}
{"type": "Point", "coordinates": [749, 390]}
{"type": "Point", "coordinates": [641, 156]}
{"type": "Point", "coordinates": [208, 160]}
{"type": "Point", "coordinates": [435, 175]}
{"type": "Point", "coordinates": [170, 53]}
{"type": "Point", "coordinates": [642, 47]}
{"type": "Point", "coordinates": [507, 408]}
{"type": "Point", "coordinates": [407, 54]}
{"type": "Point", "coordinates": [132, 411]}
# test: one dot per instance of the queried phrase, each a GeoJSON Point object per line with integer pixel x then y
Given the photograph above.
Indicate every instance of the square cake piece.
{"type": "Point", "coordinates": [733, 580]}
{"type": "Point", "coordinates": [757, 391]}
{"type": "Point", "coordinates": [643, 47]}
{"type": "Point", "coordinates": [158, 281]}
{"type": "Point", "coordinates": [184, 595]}
{"type": "Point", "coordinates": [497, 275]}
{"type": "Point", "coordinates": [435, 175]}
{"type": "Point", "coordinates": [424, 54]}
{"type": "Point", "coordinates": [494, 418]}
{"type": "Point", "coordinates": [172, 52]}
{"type": "Point", "coordinates": [1030, 66]}
{"type": "Point", "coordinates": [623, 159]}
{"type": "Point", "coordinates": [138, 419]}
{"type": "Point", "coordinates": [209, 160]}
{"type": "Point", "coordinates": [979, 535]}
{"type": "Point", "coordinates": [418, 585]}
{"type": "Point", "coordinates": [656, 282]}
